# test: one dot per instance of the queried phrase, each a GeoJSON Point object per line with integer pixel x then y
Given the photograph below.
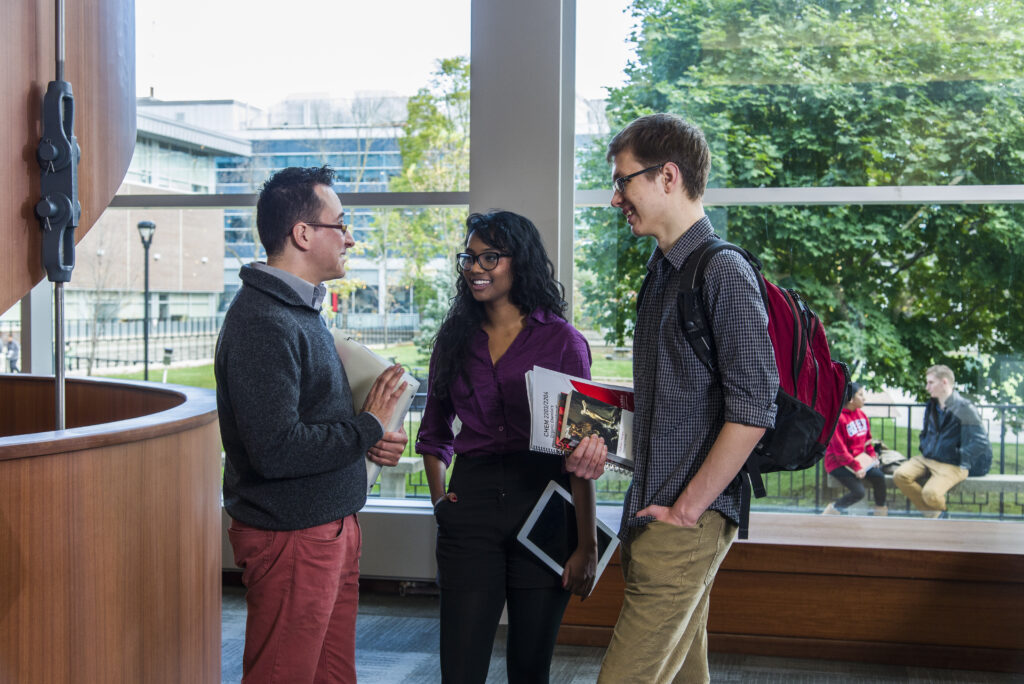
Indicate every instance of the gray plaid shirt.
{"type": "Point", "coordinates": [680, 406]}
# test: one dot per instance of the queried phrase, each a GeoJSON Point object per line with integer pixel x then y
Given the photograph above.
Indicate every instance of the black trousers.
{"type": "Point", "coordinates": [481, 567]}
{"type": "Point", "coordinates": [856, 486]}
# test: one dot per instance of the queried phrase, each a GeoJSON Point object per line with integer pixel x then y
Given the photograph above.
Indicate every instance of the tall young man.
{"type": "Point", "coordinates": [692, 430]}
{"type": "Point", "coordinates": [294, 475]}
{"type": "Point", "coordinates": [953, 445]}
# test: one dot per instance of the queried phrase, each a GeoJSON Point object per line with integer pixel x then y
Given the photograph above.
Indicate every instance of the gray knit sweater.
{"type": "Point", "coordinates": [294, 445]}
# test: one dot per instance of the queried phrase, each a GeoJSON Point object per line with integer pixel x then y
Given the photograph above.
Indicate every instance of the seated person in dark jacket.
{"type": "Point", "coordinates": [954, 444]}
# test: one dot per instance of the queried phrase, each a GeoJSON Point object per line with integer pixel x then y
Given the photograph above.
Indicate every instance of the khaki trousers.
{"type": "Point", "coordinates": [661, 633]}
{"type": "Point", "coordinates": [941, 478]}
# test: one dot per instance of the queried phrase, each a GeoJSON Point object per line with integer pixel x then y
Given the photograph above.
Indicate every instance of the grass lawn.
{"type": "Point", "coordinates": [192, 376]}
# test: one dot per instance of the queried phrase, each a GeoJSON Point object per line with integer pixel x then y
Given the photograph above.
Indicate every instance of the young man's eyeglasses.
{"type": "Point", "coordinates": [620, 182]}
{"type": "Point", "coordinates": [343, 227]}
{"type": "Point", "coordinates": [487, 260]}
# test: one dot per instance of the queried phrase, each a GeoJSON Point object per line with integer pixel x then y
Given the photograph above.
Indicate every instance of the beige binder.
{"type": "Point", "coordinates": [363, 366]}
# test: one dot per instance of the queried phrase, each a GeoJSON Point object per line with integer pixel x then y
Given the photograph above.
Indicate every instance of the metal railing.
{"type": "Point", "coordinates": [119, 343]}
{"type": "Point", "coordinates": [808, 490]}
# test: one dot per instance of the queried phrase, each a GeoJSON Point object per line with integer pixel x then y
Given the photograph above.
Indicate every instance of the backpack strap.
{"type": "Point", "coordinates": [690, 303]}
{"type": "Point", "coordinates": [745, 485]}
{"type": "Point", "coordinates": [694, 322]}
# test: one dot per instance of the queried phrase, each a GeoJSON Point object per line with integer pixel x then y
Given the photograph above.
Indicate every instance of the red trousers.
{"type": "Point", "coordinates": [302, 598]}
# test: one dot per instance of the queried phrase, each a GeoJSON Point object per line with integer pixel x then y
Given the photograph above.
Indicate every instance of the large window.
{"type": "Point", "coordinates": [869, 155]}
{"type": "Point", "coordinates": [866, 154]}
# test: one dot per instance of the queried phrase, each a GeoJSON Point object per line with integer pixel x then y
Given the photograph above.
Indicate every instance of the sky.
{"type": "Point", "coordinates": [219, 49]}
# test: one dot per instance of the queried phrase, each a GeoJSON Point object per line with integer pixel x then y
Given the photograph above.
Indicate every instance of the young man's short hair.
{"type": "Point", "coordinates": [941, 372]}
{"type": "Point", "coordinates": [288, 197]}
{"type": "Point", "coordinates": [658, 138]}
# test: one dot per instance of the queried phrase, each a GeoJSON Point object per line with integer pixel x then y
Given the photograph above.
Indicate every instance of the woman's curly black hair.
{"type": "Point", "coordinates": [533, 287]}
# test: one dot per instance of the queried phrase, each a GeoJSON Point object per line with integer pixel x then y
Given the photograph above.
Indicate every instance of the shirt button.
{"type": "Point", "coordinates": [501, 428]}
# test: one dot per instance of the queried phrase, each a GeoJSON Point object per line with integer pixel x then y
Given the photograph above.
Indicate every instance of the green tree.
{"type": "Point", "coordinates": [435, 158]}
{"type": "Point", "coordinates": [793, 93]}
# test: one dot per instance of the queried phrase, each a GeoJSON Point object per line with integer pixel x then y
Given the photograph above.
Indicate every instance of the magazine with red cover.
{"type": "Point", "coordinates": [544, 389]}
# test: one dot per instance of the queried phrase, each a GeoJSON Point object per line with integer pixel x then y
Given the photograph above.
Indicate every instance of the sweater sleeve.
{"type": "Point", "coordinates": [274, 416]}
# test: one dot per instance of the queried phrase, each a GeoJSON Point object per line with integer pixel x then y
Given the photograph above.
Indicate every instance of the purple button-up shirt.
{"type": "Point", "coordinates": [495, 413]}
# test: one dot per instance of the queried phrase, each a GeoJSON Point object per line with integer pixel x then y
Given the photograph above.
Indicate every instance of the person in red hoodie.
{"type": "Point", "coordinates": [851, 458]}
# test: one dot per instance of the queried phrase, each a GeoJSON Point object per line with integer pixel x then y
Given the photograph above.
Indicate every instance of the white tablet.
{"type": "Point", "coordinates": [543, 532]}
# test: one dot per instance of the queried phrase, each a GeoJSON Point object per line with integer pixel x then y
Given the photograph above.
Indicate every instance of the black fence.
{"type": "Point", "coordinates": [110, 344]}
{"type": "Point", "coordinates": [808, 491]}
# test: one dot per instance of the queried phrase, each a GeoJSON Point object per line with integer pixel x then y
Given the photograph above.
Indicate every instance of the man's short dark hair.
{"type": "Point", "coordinates": [288, 197]}
{"type": "Point", "coordinates": [658, 138]}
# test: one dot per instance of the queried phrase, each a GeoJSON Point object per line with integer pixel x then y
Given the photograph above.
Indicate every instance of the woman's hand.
{"type": "Point", "coordinates": [580, 571]}
{"type": "Point", "coordinates": [864, 463]}
{"type": "Point", "coordinates": [587, 460]}
{"type": "Point", "coordinates": [450, 496]}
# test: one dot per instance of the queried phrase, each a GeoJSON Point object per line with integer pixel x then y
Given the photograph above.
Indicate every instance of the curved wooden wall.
{"type": "Point", "coordinates": [109, 530]}
{"type": "Point", "coordinates": [110, 566]}
{"type": "Point", "coordinates": [100, 65]}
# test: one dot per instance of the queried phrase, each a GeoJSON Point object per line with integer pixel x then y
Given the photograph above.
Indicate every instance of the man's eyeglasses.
{"type": "Point", "coordinates": [620, 182]}
{"type": "Point", "coordinates": [487, 260]}
{"type": "Point", "coordinates": [343, 227]}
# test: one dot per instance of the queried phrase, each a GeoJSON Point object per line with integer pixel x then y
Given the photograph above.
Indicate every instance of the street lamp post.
{"type": "Point", "coordinates": [146, 230]}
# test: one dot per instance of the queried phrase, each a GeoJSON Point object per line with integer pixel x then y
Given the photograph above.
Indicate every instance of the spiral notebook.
{"type": "Point", "coordinates": [363, 366]}
{"type": "Point", "coordinates": [547, 392]}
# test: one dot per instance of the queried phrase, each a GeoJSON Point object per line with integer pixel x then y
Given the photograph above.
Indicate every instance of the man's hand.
{"type": "Point", "coordinates": [670, 515]}
{"type": "Point", "coordinates": [384, 394]}
{"type": "Point", "coordinates": [587, 460]}
{"type": "Point", "coordinates": [389, 449]}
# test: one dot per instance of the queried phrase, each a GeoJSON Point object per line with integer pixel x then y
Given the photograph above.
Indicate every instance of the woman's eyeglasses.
{"type": "Point", "coordinates": [487, 260]}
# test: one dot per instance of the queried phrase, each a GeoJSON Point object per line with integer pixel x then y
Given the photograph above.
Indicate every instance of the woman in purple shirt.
{"type": "Point", "coordinates": [505, 318]}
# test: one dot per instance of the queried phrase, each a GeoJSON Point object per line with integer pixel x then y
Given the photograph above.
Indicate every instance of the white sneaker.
{"type": "Point", "coordinates": [931, 514]}
{"type": "Point", "coordinates": [881, 510]}
{"type": "Point", "coordinates": [831, 510]}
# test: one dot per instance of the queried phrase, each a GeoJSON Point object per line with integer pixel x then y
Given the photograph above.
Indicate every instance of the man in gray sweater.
{"type": "Point", "coordinates": [295, 445]}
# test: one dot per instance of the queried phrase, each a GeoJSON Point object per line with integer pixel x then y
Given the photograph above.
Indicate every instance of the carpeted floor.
{"type": "Point", "coordinates": [396, 643]}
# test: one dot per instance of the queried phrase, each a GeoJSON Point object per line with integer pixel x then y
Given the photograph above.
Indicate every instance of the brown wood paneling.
{"type": "Point", "coordinates": [141, 411]}
{"type": "Point", "coordinates": [110, 560]}
{"type": "Point", "coordinates": [87, 402]}
{"type": "Point", "coordinates": [886, 653]}
{"type": "Point", "coordinates": [868, 609]}
{"type": "Point", "coordinates": [878, 605]}
{"type": "Point", "coordinates": [100, 65]}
